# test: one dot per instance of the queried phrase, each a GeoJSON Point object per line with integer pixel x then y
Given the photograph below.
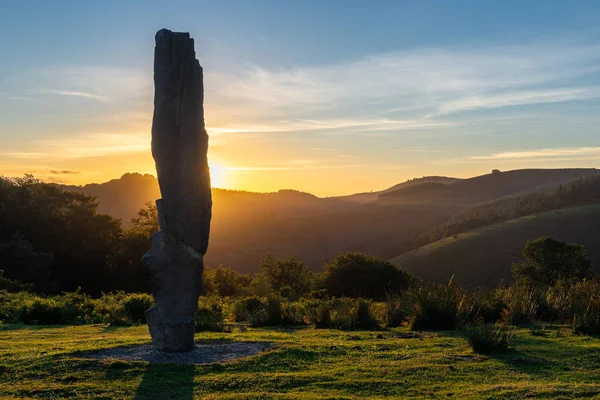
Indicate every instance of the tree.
{"type": "Point", "coordinates": [20, 261]}
{"type": "Point", "coordinates": [225, 281]}
{"type": "Point", "coordinates": [548, 261]}
{"type": "Point", "coordinates": [146, 222]}
{"type": "Point", "coordinates": [64, 224]}
{"type": "Point", "coordinates": [287, 273]}
{"type": "Point", "coordinates": [359, 275]}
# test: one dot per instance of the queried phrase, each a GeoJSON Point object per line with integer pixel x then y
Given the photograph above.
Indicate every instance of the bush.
{"type": "Point", "coordinates": [135, 306]}
{"type": "Point", "coordinates": [489, 338]}
{"type": "Point", "coordinates": [436, 307]}
{"type": "Point", "coordinates": [124, 309]}
{"type": "Point", "coordinates": [14, 286]}
{"type": "Point", "coordinates": [548, 261]}
{"type": "Point", "coordinates": [344, 313]}
{"type": "Point", "coordinates": [487, 306]}
{"type": "Point", "coordinates": [397, 311]}
{"type": "Point", "coordinates": [318, 313]}
{"type": "Point", "coordinates": [209, 317]}
{"type": "Point", "coordinates": [288, 273]}
{"type": "Point", "coordinates": [41, 311]}
{"type": "Point", "coordinates": [358, 275]}
{"type": "Point", "coordinates": [69, 308]}
{"type": "Point", "coordinates": [245, 308]}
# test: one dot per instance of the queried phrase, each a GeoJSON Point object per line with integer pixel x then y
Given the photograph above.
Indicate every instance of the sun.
{"type": "Point", "coordinates": [218, 176]}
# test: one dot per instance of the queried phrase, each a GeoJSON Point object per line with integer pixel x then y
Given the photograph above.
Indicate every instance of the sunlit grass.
{"type": "Point", "coordinates": [37, 362]}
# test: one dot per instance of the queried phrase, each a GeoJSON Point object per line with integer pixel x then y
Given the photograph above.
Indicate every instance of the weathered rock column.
{"type": "Point", "coordinates": [179, 147]}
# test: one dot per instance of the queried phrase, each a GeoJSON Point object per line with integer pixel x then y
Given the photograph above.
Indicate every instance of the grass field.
{"type": "Point", "coordinates": [37, 362]}
{"type": "Point", "coordinates": [484, 256]}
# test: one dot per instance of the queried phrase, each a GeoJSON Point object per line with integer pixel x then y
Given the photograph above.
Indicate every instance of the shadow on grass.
{"type": "Point", "coordinates": [163, 381]}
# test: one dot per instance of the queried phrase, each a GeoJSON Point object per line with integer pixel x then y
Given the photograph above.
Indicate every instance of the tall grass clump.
{"type": "Point", "coordinates": [486, 306]}
{"type": "Point", "coordinates": [436, 307]}
{"type": "Point", "coordinates": [577, 303]}
{"type": "Point", "coordinates": [489, 338]}
{"type": "Point", "coordinates": [523, 304]}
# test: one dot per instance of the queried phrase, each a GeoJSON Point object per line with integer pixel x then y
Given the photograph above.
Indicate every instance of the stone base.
{"type": "Point", "coordinates": [175, 272]}
{"type": "Point", "coordinates": [172, 337]}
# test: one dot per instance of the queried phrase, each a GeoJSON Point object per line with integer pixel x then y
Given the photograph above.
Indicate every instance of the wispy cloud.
{"type": "Point", "coordinates": [115, 85]}
{"type": "Point", "coordinates": [90, 96]}
{"type": "Point", "coordinates": [64, 172]}
{"type": "Point", "coordinates": [298, 125]}
{"type": "Point", "coordinates": [420, 82]}
{"type": "Point", "coordinates": [519, 98]}
{"type": "Point", "coordinates": [541, 153]}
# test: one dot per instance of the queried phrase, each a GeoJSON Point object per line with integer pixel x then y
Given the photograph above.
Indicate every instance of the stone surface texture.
{"type": "Point", "coordinates": [179, 147]}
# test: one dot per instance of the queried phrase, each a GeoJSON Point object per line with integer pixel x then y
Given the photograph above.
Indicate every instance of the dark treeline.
{"type": "Point", "coordinates": [577, 192]}
{"type": "Point", "coordinates": [56, 240]}
{"type": "Point", "coordinates": [53, 240]}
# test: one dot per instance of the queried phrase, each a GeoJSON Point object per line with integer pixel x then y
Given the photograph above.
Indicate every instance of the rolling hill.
{"type": "Point", "coordinates": [484, 256]}
{"type": "Point", "coordinates": [247, 225]}
{"type": "Point", "coordinates": [488, 187]}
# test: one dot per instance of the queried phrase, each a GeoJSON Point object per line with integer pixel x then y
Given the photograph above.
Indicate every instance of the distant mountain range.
{"type": "Point", "coordinates": [387, 223]}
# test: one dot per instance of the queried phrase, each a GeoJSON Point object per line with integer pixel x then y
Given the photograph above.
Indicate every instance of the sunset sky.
{"type": "Point", "coordinates": [329, 97]}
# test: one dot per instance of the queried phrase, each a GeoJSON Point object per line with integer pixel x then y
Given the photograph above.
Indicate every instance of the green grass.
{"type": "Point", "coordinates": [37, 362]}
{"type": "Point", "coordinates": [484, 256]}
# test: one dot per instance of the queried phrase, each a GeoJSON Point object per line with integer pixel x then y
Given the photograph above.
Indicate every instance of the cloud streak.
{"type": "Point", "coordinates": [541, 153]}
{"type": "Point", "coordinates": [91, 96]}
{"type": "Point", "coordinates": [424, 83]}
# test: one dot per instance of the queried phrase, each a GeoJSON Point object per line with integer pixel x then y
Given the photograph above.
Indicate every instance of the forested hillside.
{"type": "Point", "coordinates": [52, 229]}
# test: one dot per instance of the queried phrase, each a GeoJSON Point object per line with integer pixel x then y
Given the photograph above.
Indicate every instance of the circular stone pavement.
{"type": "Point", "coordinates": [203, 353]}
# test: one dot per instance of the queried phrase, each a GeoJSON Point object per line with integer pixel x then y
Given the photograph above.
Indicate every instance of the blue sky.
{"type": "Point", "coordinates": [329, 97]}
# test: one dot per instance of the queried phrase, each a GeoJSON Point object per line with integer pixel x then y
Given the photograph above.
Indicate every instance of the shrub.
{"type": "Point", "coordinates": [397, 311]}
{"type": "Point", "coordinates": [78, 308]}
{"type": "Point", "coordinates": [277, 311]}
{"type": "Point", "coordinates": [288, 273]}
{"type": "Point", "coordinates": [489, 338]}
{"type": "Point", "coordinates": [318, 313]}
{"type": "Point", "coordinates": [124, 309]}
{"type": "Point", "coordinates": [344, 313]}
{"type": "Point", "coordinates": [41, 311]}
{"type": "Point", "coordinates": [292, 313]}
{"type": "Point", "coordinates": [548, 261]}
{"type": "Point", "coordinates": [224, 282]}
{"type": "Point", "coordinates": [209, 317]}
{"type": "Point", "coordinates": [436, 307]}
{"type": "Point", "coordinates": [366, 318]}
{"type": "Point", "coordinates": [245, 308]}
{"type": "Point", "coordinates": [14, 286]}
{"type": "Point", "coordinates": [359, 275]}
{"type": "Point", "coordinates": [487, 306]}
{"type": "Point", "coordinates": [135, 306]}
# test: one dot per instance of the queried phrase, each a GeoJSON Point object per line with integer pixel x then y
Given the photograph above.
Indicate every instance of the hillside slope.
{"type": "Point", "coordinates": [247, 225]}
{"type": "Point", "coordinates": [484, 256]}
{"type": "Point", "coordinates": [367, 197]}
{"type": "Point", "coordinates": [488, 187]}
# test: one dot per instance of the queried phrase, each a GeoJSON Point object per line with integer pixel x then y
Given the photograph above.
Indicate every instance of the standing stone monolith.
{"type": "Point", "coordinates": [179, 147]}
